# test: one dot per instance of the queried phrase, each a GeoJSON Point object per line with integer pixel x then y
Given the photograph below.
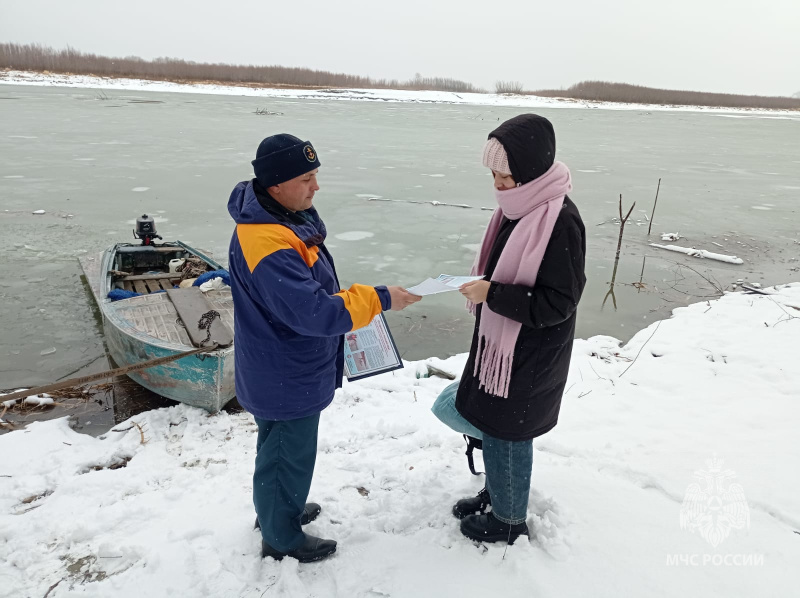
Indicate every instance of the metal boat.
{"type": "Point", "coordinates": [157, 318]}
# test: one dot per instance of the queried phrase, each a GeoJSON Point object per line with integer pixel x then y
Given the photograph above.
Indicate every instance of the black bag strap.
{"type": "Point", "coordinates": [472, 444]}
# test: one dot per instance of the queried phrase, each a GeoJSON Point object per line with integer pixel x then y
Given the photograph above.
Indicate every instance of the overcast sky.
{"type": "Point", "coordinates": [737, 46]}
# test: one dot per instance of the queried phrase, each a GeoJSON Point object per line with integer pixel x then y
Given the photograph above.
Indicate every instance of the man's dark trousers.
{"type": "Point", "coordinates": [285, 455]}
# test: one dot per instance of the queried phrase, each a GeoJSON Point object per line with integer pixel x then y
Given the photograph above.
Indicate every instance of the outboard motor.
{"type": "Point", "coordinates": [145, 230]}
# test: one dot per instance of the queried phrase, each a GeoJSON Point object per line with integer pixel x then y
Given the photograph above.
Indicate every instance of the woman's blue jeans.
{"type": "Point", "coordinates": [508, 464]}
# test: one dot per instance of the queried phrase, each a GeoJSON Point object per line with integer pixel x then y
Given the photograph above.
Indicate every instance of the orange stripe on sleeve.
{"type": "Point", "coordinates": [260, 240]}
{"type": "Point", "coordinates": [362, 302]}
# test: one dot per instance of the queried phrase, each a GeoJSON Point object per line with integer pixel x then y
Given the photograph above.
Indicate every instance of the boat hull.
{"type": "Point", "coordinates": [204, 380]}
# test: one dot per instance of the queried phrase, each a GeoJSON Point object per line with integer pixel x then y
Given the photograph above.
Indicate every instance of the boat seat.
{"type": "Point", "coordinates": [192, 305]}
{"type": "Point", "coordinates": [145, 284]}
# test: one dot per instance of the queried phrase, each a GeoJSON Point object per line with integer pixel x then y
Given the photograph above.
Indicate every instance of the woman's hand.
{"type": "Point", "coordinates": [476, 291]}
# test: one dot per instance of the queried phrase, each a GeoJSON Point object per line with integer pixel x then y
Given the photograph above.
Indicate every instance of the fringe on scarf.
{"type": "Point", "coordinates": [493, 368]}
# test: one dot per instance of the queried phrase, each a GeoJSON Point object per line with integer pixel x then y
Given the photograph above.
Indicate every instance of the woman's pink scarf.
{"type": "Point", "coordinates": [536, 205]}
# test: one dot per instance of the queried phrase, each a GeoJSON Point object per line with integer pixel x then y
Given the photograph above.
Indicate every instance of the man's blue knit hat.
{"type": "Point", "coordinates": [283, 157]}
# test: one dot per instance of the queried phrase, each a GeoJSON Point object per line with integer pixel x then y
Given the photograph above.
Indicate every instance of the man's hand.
{"type": "Point", "coordinates": [401, 298]}
{"type": "Point", "coordinates": [476, 291]}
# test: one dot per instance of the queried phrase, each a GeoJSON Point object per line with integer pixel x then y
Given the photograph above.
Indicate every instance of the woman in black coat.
{"type": "Point", "coordinates": [532, 263]}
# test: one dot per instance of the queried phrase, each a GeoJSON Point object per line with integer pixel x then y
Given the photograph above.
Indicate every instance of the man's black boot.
{"type": "Point", "coordinates": [310, 513]}
{"type": "Point", "coordinates": [470, 506]}
{"type": "Point", "coordinates": [487, 528]}
{"type": "Point", "coordinates": [312, 549]}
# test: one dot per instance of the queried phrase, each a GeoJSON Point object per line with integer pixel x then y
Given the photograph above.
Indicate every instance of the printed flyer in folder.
{"type": "Point", "coordinates": [370, 351]}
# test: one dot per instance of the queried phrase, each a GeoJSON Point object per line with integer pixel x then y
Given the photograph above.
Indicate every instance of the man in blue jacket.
{"type": "Point", "coordinates": [290, 320]}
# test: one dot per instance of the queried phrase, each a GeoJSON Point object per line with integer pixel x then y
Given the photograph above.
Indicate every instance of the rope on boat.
{"type": "Point", "coordinates": [107, 374]}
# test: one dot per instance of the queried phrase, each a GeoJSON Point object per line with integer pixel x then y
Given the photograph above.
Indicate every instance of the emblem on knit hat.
{"type": "Point", "coordinates": [311, 155]}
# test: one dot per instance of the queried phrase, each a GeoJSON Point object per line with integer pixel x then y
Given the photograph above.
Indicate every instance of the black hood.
{"type": "Point", "coordinates": [530, 143]}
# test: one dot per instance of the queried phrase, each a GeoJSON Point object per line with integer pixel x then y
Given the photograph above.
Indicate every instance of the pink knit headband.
{"type": "Point", "coordinates": [495, 157]}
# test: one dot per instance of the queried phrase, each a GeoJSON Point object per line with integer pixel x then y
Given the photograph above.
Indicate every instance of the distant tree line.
{"type": "Point", "coordinates": [36, 57]}
{"type": "Point", "coordinates": [602, 91]}
{"type": "Point", "coordinates": [508, 87]}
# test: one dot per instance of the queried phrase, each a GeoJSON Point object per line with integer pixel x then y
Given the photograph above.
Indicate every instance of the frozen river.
{"type": "Point", "coordinates": [94, 161]}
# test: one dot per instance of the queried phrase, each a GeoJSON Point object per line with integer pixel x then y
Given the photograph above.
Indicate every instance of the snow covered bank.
{"type": "Point", "coordinates": [379, 95]}
{"type": "Point", "coordinates": [612, 484]}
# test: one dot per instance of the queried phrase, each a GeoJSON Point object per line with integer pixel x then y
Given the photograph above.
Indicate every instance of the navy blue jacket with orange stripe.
{"type": "Point", "coordinates": [290, 312]}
